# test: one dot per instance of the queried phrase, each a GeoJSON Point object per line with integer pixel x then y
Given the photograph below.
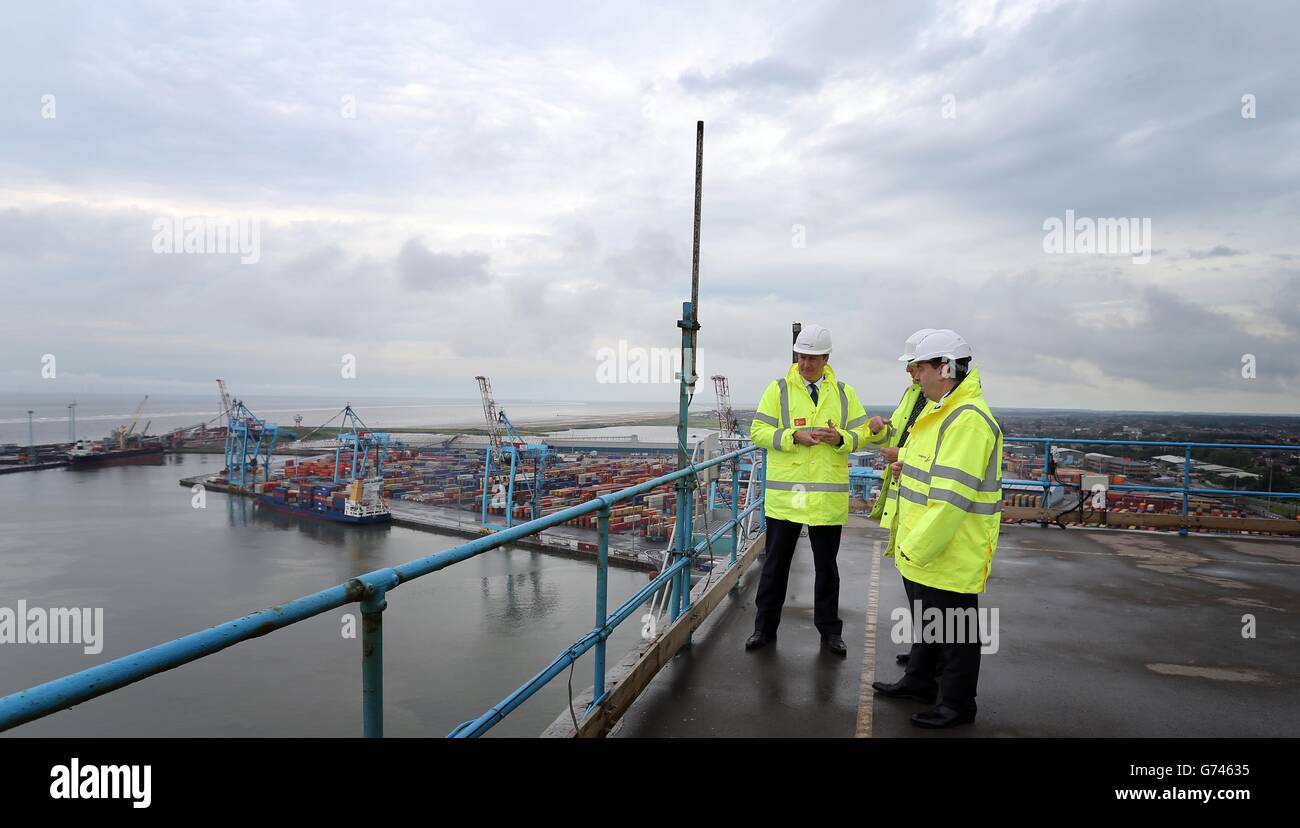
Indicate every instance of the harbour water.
{"type": "Point", "coordinates": [129, 540]}
{"type": "Point", "coordinates": [98, 414]}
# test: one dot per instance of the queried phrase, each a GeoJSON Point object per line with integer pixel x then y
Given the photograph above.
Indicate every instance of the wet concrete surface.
{"type": "Point", "coordinates": [1099, 633]}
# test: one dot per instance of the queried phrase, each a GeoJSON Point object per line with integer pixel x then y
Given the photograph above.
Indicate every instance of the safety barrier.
{"type": "Point", "coordinates": [1186, 490]}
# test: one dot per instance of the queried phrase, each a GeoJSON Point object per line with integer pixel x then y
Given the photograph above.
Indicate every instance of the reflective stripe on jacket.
{"type": "Point", "coordinates": [808, 484]}
{"type": "Point", "coordinates": [888, 437]}
{"type": "Point", "coordinates": [949, 505]}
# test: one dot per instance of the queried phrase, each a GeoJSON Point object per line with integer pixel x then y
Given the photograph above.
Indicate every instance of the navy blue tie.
{"type": "Point", "coordinates": [812, 392]}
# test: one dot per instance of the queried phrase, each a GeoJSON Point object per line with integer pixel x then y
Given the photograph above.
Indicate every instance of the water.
{"type": "Point", "coordinates": [643, 433]}
{"type": "Point", "coordinates": [98, 414]}
{"type": "Point", "coordinates": [127, 539]}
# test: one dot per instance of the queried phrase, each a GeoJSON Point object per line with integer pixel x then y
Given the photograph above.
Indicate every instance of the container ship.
{"type": "Point", "coordinates": [356, 501]}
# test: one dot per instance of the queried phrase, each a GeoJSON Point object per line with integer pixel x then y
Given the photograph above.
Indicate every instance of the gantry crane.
{"type": "Point", "coordinates": [249, 443]}
{"type": "Point", "coordinates": [368, 449]}
{"type": "Point", "coordinates": [365, 466]}
{"type": "Point", "coordinates": [507, 446]}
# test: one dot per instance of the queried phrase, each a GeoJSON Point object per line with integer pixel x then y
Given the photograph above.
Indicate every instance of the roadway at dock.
{"type": "Point", "coordinates": [1101, 633]}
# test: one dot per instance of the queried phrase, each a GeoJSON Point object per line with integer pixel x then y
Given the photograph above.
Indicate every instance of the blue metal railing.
{"type": "Point", "coordinates": [1045, 482]}
{"type": "Point", "coordinates": [371, 590]}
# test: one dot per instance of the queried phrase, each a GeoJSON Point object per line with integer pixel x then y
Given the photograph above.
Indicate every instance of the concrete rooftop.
{"type": "Point", "coordinates": [1101, 633]}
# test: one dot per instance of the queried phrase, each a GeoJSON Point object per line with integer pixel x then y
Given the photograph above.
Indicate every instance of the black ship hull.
{"type": "Point", "coordinates": [116, 457]}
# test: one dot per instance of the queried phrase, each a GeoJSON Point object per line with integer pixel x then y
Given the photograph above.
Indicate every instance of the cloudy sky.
{"type": "Point", "coordinates": [442, 190]}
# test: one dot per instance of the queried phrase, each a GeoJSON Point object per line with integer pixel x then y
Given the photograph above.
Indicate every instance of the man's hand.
{"type": "Point", "coordinates": [896, 467]}
{"type": "Point", "coordinates": [807, 438]}
{"type": "Point", "coordinates": [891, 453]}
{"type": "Point", "coordinates": [876, 424]}
{"type": "Point", "coordinates": [829, 435]}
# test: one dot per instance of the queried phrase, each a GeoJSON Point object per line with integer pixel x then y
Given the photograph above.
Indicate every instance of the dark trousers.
{"type": "Point", "coordinates": [911, 604]}
{"type": "Point", "coordinates": [959, 663]}
{"type": "Point", "coordinates": [782, 535]}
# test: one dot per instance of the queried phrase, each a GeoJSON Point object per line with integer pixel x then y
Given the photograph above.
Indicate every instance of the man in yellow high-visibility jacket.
{"type": "Point", "coordinates": [809, 421]}
{"type": "Point", "coordinates": [891, 436]}
{"type": "Point", "coordinates": [945, 528]}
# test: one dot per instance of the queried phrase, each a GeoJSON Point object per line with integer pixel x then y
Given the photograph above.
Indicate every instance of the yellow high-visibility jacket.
{"type": "Point", "coordinates": [950, 493]}
{"type": "Point", "coordinates": [882, 509]}
{"type": "Point", "coordinates": [808, 484]}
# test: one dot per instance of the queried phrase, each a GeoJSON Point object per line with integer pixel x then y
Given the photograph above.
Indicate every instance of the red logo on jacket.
{"type": "Point", "coordinates": [801, 421]}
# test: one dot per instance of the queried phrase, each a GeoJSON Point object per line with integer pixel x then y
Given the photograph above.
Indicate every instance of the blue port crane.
{"type": "Point", "coordinates": [249, 443]}
{"type": "Point", "coordinates": [366, 447]}
{"type": "Point", "coordinates": [507, 449]}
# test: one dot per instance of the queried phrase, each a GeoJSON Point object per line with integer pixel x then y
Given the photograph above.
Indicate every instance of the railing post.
{"type": "Point", "coordinates": [1187, 484]}
{"type": "Point", "coordinates": [681, 539]}
{"type": "Point", "coordinates": [735, 509]}
{"type": "Point", "coordinates": [1047, 486]}
{"type": "Point", "coordinates": [372, 662]}
{"type": "Point", "coordinates": [602, 602]}
{"type": "Point", "coordinates": [688, 547]}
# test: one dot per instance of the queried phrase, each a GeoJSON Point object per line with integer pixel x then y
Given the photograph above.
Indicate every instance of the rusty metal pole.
{"type": "Point", "coordinates": [372, 662]}
{"type": "Point", "coordinates": [690, 324]}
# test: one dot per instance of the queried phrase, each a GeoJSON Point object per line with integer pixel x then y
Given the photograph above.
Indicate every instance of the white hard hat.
{"type": "Point", "coordinates": [813, 340]}
{"type": "Point", "coordinates": [909, 349]}
{"type": "Point", "coordinates": [940, 344]}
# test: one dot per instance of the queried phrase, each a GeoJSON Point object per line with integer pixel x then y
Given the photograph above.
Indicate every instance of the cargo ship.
{"type": "Point", "coordinates": [356, 501]}
{"type": "Point", "coordinates": [121, 446]}
{"type": "Point", "coordinates": [86, 454]}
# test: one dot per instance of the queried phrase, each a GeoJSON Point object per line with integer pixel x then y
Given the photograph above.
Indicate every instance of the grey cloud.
{"type": "Point", "coordinates": [422, 269]}
{"type": "Point", "coordinates": [850, 31]}
{"type": "Point", "coordinates": [1215, 252]}
{"type": "Point", "coordinates": [767, 74]}
{"type": "Point", "coordinates": [1049, 120]}
{"type": "Point", "coordinates": [1151, 335]}
{"type": "Point", "coordinates": [655, 255]}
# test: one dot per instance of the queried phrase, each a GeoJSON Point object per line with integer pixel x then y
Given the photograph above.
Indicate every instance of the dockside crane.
{"type": "Point", "coordinates": [121, 433]}
{"type": "Point", "coordinates": [225, 400]}
{"type": "Point", "coordinates": [728, 429]}
{"type": "Point", "coordinates": [507, 447]}
{"type": "Point", "coordinates": [177, 436]}
{"type": "Point", "coordinates": [368, 449]}
{"type": "Point", "coordinates": [730, 438]}
{"type": "Point", "coordinates": [250, 440]}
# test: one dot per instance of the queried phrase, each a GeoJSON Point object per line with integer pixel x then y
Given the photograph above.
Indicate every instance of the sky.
{"type": "Point", "coordinates": [453, 189]}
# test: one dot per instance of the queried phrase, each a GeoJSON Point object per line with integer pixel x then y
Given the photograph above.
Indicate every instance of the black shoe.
{"type": "Point", "coordinates": [835, 644]}
{"type": "Point", "coordinates": [905, 690]}
{"type": "Point", "coordinates": [759, 639]}
{"type": "Point", "coordinates": [943, 716]}
{"type": "Point", "coordinates": [902, 658]}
